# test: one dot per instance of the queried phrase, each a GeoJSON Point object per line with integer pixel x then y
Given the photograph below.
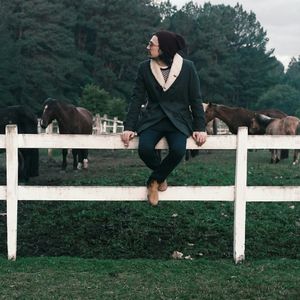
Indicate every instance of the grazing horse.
{"type": "Point", "coordinates": [26, 121]}
{"type": "Point", "coordinates": [262, 124]}
{"type": "Point", "coordinates": [71, 120]}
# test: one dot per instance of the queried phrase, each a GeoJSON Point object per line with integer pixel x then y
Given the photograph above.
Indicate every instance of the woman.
{"type": "Point", "coordinates": [174, 108]}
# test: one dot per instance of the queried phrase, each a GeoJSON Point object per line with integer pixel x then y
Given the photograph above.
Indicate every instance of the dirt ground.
{"type": "Point", "coordinates": [52, 174]}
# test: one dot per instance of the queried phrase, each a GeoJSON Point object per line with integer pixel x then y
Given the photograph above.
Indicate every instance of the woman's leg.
{"type": "Point", "coordinates": [147, 142]}
{"type": "Point", "coordinates": [147, 152]}
{"type": "Point", "coordinates": [177, 147]}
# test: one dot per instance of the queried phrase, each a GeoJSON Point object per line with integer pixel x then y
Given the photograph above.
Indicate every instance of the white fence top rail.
{"type": "Point", "coordinates": [113, 141]}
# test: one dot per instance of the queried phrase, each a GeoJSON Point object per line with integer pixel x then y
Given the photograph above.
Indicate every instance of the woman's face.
{"type": "Point", "coordinates": [153, 47]}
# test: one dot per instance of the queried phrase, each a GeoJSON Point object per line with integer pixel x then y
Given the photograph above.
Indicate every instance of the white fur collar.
{"type": "Point", "coordinates": [174, 72]}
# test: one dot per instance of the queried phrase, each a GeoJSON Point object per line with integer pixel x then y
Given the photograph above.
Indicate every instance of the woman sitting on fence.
{"type": "Point", "coordinates": [174, 109]}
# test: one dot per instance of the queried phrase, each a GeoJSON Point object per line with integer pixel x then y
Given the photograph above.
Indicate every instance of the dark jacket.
{"type": "Point", "coordinates": [180, 102]}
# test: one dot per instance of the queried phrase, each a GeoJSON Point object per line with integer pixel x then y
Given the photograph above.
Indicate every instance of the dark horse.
{"type": "Point", "coordinates": [71, 120]}
{"type": "Point", "coordinates": [26, 121]}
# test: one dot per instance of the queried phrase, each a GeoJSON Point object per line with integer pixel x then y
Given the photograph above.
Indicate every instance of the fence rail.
{"type": "Point", "coordinates": [240, 193]}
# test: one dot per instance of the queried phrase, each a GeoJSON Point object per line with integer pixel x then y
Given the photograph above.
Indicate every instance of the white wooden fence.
{"type": "Point", "coordinates": [240, 193]}
{"type": "Point", "coordinates": [104, 125]}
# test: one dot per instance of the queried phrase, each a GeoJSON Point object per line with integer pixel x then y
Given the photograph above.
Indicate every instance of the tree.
{"type": "Point", "coordinates": [55, 48]}
{"type": "Point", "coordinates": [112, 36]}
{"type": "Point", "coordinates": [254, 67]}
{"type": "Point", "coordinates": [282, 97]}
{"type": "Point", "coordinates": [117, 108]}
{"type": "Point", "coordinates": [45, 54]}
{"type": "Point", "coordinates": [9, 59]}
{"type": "Point", "coordinates": [95, 99]}
{"type": "Point", "coordinates": [292, 76]}
{"type": "Point", "coordinates": [99, 101]}
{"type": "Point", "coordinates": [166, 10]}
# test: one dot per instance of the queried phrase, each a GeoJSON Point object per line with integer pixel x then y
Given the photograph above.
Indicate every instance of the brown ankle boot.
{"type": "Point", "coordinates": [163, 186]}
{"type": "Point", "coordinates": [152, 192]}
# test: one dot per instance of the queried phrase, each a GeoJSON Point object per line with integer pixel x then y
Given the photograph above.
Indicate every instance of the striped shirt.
{"type": "Point", "coordinates": [165, 71]}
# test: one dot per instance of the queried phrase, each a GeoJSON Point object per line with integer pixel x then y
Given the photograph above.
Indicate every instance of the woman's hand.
{"type": "Point", "coordinates": [126, 136]}
{"type": "Point", "coordinates": [199, 137]}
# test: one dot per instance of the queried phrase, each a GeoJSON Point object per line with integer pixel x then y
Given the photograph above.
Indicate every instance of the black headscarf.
{"type": "Point", "coordinates": [170, 43]}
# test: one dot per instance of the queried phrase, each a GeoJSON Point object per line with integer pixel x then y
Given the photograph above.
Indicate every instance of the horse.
{"type": "Point", "coordinates": [71, 120]}
{"type": "Point", "coordinates": [262, 124]}
{"type": "Point", "coordinates": [272, 113]}
{"type": "Point", "coordinates": [235, 117]}
{"type": "Point", "coordinates": [26, 122]}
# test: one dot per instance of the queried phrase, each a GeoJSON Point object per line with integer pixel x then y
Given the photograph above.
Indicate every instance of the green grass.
{"type": "Point", "coordinates": [74, 278]}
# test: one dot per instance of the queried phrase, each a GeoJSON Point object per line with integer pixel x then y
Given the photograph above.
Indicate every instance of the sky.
{"type": "Point", "coordinates": [280, 18]}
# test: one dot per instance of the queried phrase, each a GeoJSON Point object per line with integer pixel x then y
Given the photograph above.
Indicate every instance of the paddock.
{"type": "Point", "coordinates": [239, 193]}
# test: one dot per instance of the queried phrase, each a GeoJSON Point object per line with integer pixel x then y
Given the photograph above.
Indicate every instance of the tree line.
{"type": "Point", "coordinates": [87, 52]}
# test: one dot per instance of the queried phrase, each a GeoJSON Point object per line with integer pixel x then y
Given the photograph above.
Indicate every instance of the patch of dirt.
{"type": "Point", "coordinates": [52, 174]}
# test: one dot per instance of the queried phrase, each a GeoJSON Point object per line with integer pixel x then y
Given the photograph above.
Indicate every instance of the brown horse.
{"type": "Point", "coordinates": [235, 117]}
{"type": "Point", "coordinates": [262, 124]}
{"type": "Point", "coordinates": [71, 120]}
{"type": "Point", "coordinates": [272, 113]}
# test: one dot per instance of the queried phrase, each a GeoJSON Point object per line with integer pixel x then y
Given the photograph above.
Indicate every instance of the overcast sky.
{"type": "Point", "coordinates": [280, 18]}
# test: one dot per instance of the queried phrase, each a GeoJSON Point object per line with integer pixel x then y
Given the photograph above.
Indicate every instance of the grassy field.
{"type": "Point", "coordinates": [123, 250]}
{"type": "Point", "coordinates": [74, 278]}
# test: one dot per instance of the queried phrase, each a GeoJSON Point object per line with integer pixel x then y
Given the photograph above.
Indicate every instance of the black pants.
{"type": "Point", "coordinates": [151, 157]}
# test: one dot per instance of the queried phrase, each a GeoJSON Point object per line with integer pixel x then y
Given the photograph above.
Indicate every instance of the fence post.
{"type": "Point", "coordinates": [39, 127]}
{"type": "Point", "coordinates": [11, 132]}
{"type": "Point", "coordinates": [104, 123]}
{"type": "Point", "coordinates": [115, 124]}
{"type": "Point", "coordinates": [49, 130]}
{"type": "Point", "coordinates": [240, 195]}
{"type": "Point", "coordinates": [97, 124]}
